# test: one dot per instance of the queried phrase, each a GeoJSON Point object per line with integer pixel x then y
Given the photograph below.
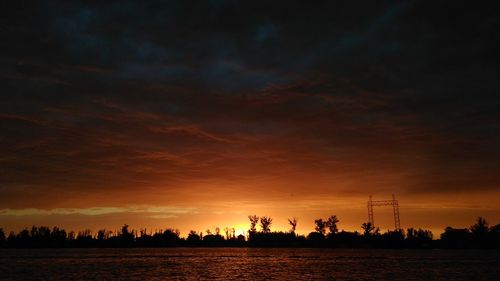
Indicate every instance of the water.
{"type": "Point", "coordinates": [247, 264]}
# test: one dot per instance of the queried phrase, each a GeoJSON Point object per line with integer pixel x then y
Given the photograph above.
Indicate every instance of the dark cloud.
{"type": "Point", "coordinates": [107, 97]}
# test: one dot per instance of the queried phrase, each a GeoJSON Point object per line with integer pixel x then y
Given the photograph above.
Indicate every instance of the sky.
{"type": "Point", "coordinates": [195, 115]}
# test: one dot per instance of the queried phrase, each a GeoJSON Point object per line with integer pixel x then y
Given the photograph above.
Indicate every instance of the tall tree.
{"type": "Point", "coordinates": [320, 226]}
{"type": "Point", "coordinates": [480, 228]}
{"type": "Point", "coordinates": [193, 237]}
{"type": "Point", "coordinates": [368, 228]}
{"type": "Point", "coordinates": [265, 224]}
{"type": "Point", "coordinates": [332, 224]}
{"type": "Point", "coordinates": [253, 223]}
{"type": "Point", "coordinates": [293, 224]}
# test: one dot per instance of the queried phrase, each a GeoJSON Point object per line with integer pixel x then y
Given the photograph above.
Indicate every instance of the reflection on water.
{"type": "Point", "coordinates": [247, 263]}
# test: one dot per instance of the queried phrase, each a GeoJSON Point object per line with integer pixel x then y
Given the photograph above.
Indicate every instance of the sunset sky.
{"type": "Point", "coordinates": [192, 116]}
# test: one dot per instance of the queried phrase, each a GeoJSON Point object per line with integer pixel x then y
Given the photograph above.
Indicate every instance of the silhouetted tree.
{"type": "Point", "coordinates": [126, 237]}
{"type": "Point", "coordinates": [58, 237]}
{"type": "Point", "coordinates": [424, 235]}
{"type": "Point", "coordinates": [393, 239]}
{"type": "Point", "coordinates": [455, 238]}
{"type": "Point", "coordinates": [495, 229]}
{"type": "Point", "coordinates": [2, 237]}
{"type": "Point", "coordinates": [241, 238]}
{"type": "Point", "coordinates": [12, 240]}
{"type": "Point", "coordinates": [320, 226]}
{"type": "Point", "coordinates": [293, 224]}
{"type": "Point", "coordinates": [418, 238]}
{"type": "Point", "coordinates": [370, 237]}
{"type": "Point", "coordinates": [101, 234]}
{"type": "Point", "coordinates": [84, 238]}
{"type": "Point", "coordinates": [40, 236]}
{"type": "Point", "coordinates": [217, 231]}
{"type": "Point", "coordinates": [345, 239]}
{"type": "Point", "coordinates": [213, 240]}
{"type": "Point", "coordinates": [24, 235]}
{"type": "Point", "coordinates": [315, 239]}
{"type": "Point", "coordinates": [253, 223]}
{"type": "Point", "coordinates": [411, 233]}
{"type": "Point", "coordinates": [480, 233]}
{"type": "Point", "coordinates": [331, 223]}
{"type": "Point", "coordinates": [193, 238]}
{"type": "Point", "coordinates": [494, 234]}
{"type": "Point", "coordinates": [368, 228]}
{"type": "Point", "coordinates": [265, 224]}
{"type": "Point", "coordinates": [84, 233]}
{"type": "Point", "coordinates": [480, 229]}
{"type": "Point", "coordinates": [170, 237]}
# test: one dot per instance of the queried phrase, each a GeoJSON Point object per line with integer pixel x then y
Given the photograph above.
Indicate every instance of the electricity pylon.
{"type": "Point", "coordinates": [395, 206]}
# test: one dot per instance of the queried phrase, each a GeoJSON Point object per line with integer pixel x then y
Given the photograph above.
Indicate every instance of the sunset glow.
{"type": "Point", "coordinates": [195, 117]}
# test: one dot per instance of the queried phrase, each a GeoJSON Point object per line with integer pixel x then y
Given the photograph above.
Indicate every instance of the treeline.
{"type": "Point", "coordinates": [326, 234]}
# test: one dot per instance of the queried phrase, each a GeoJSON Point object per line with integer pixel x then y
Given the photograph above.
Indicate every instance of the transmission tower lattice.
{"type": "Point", "coordinates": [395, 206]}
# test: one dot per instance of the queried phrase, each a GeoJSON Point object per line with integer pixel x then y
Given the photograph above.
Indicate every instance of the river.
{"type": "Point", "coordinates": [247, 264]}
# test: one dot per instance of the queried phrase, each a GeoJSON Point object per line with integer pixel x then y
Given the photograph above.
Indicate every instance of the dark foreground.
{"type": "Point", "coordinates": [248, 264]}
